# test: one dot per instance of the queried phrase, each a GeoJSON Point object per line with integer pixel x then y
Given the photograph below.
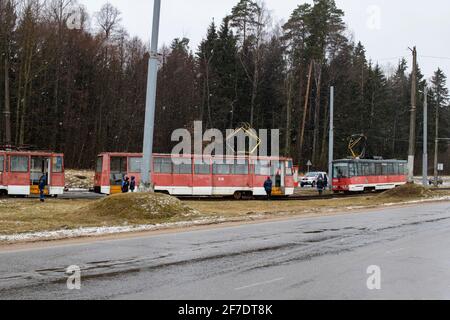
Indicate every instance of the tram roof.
{"type": "Point", "coordinates": [31, 152]}
{"type": "Point", "coordinates": [131, 154]}
{"type": "Point", "coordinates": [370, 161]}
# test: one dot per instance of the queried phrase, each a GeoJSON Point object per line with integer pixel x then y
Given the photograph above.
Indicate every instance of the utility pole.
{"type": "Point", "coordinates": [331, 142]}
{"type": "Point", "coordinates": [146, 175]}
{"type": "Point", "coordinates": [425, 139]}
{"type": "Point", "coordinates": [412, 128]}
{"type": "Point", "coordinates": [7, 111]}
{"type": "Point", "coordinates": [436, 141]}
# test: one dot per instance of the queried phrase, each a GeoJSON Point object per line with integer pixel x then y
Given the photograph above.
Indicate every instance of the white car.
{"type": "Point", "coordinates": [311, 179]}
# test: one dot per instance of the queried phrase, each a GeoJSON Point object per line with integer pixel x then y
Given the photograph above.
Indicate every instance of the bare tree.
{"type": "Point", "coordinates": [59, 12]}
{"type": "Point", "coordinates": [108, 19]}
{"type": "Point", "coordinates": [250, 18]}
{"type": "Point", "coordinates": [29, 29]}
{"type": "Point", "coordinates": [9, 18]}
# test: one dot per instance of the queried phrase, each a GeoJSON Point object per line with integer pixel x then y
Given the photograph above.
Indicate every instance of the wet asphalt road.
{"type": "Point", "coordinates": [319, 258]}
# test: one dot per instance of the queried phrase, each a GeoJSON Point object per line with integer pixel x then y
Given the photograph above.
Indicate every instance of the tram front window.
{"type": "Point", "coordinates": [341, 171]}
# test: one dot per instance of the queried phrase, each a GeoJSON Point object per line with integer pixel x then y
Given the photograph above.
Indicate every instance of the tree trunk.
{"type": "Point", "coordinates": [8, 138]}
{"type": "Point", "coordinates": [305, 112]}
{"type": "Point", "coordinates": [287, 144]}
{"type": "Point", "coordinates": [255, 89]}
{"type": "Point", "coordinates": [208, 96]}
{"type": "Point", "coordinates": [317, 112]}
{"type": "Point", "coordinates": [18, 107]}
{"type": "Point", "coordinates": [26, 91]}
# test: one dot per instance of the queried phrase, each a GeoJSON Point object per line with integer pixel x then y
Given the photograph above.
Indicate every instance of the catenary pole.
{"type": "Point", "coordinates": [436, 141]}
{"type": "Point", "coordinates": [331, 142]}
{"type": "Point", "coordinates": [412, 128]}
{"type": "Point", "coordinates": [146, 176]}
{"type": "Point", "coordinates": [425, 139]}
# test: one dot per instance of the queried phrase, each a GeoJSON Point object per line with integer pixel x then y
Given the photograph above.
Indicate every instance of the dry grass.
{"type": "Point", "coordinates": [407, 191]}
{"type": "Point", "coordinates": [29, 215]}
{"type": "Point", "coordinates": [138, 206]}
{"type": "Point", "coordinates": [269, 208]}
{"type": "Point", "coordinates": [313, 207]}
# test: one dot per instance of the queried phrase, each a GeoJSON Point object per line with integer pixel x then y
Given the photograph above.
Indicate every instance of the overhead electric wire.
{"type": "Point", "coordinates": [435, 57]}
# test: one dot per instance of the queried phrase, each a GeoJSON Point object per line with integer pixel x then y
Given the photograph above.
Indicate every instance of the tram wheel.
{"type": "Point", "coordinates": [238, 195]}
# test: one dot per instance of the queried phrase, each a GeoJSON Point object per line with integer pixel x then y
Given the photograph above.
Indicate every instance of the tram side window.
{"type": "Point", "coordinates": [275, 168]}
{"type": "Point", "coordinates": [396, 168]}
{"type": "Point", "coordinates": [352, 170]}
{"type": "Point", "coordinates": [162, 165]}
{"type": "Point", "coordinates": [182, 166]}
{"type": "Point", "coordinates": [57, 164]}
{"type": "Point", "coordinates": [2, 163]}
{"type": "Point", "coordinates": [388, 169]}
{"type": "Point", "coordinates": [365, 169]}
{"type": "Point", "coordinates": [19, 164]}
{"type": "Point", "coordinates": [378, 169]}
{"type": "Point", "coordinates": [402, 170]}
{"type": "Point", "coordinates": [372, 169]}
{"type": "Point", "coordinates": [262, 168]}
{"type": "Point", "coordinates": [135, 165]}
{"type": "Point", "coordinates": [221, 168]}
{"type": "Point", "coordinates": [99, 165]}
{"type": "Point", "coordinates": [240, 167]}
{"type": "Point", "coordinates": [385, 169]}
{"type": "Point", "coordinates": [391, 169]}
{"type": "Point", "coordinates": [202, 167]}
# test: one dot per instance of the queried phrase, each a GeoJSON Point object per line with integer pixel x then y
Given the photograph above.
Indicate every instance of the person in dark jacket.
{"type": "Point", "coordinates": [320, 184]}
{"type": "Point", "coordinates": [268, 187]}
{"type": "Point", "coordinates": [125, 185]}
{"type": "Point", "coordinates": [325, 181]}
{"type": "Point", "coordinates": [133, 184]}
{"type": "Point", "coordinates": [43, 181]}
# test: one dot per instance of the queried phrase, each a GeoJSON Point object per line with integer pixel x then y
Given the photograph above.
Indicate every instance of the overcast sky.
{"type": "Point", "coordinates": [386, 27]}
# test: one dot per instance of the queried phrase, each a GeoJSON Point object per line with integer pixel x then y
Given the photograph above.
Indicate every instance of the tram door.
{"type": "Point", "coordinates": [39, 166]}
{"type": "Point", "coordinates": [2, 168]}
{"type": "Point", "coordinates": [278, 175]}
{"type": "Point", "coordinates": [118, 169]}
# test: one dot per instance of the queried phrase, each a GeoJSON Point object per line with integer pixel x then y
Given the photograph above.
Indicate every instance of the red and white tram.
{"type": "Point", "coordinates": [368, 175]}
{"type": "Point", "coordinates": [197, 176]}
{"type": "Point", "coordinates": [20, 172]}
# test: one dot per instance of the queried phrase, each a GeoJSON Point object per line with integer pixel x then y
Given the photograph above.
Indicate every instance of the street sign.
{"type": "Point", "coordinates": [440, 167]}
{"type": "Point", "coordinates": [309, 165]}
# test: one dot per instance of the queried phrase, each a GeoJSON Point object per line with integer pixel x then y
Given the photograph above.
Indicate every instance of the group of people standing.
{"type": "Point", "coordinates": [128, 185]}
{"type": "Point", "coordinates": [321, 184]}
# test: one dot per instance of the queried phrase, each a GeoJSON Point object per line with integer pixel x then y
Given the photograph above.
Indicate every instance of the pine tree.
{"type": "Point", "coordinates": [206, 54]}
{"type": "Point", "coordinates": [440, 103]}
{"type": "Point", "coordinates": [249, 19]}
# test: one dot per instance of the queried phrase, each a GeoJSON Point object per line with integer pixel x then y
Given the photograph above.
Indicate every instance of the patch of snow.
{"type": "Point", "coordinates": [446, 198]}
{"type": "Point", "coordinates": [101, 231]}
